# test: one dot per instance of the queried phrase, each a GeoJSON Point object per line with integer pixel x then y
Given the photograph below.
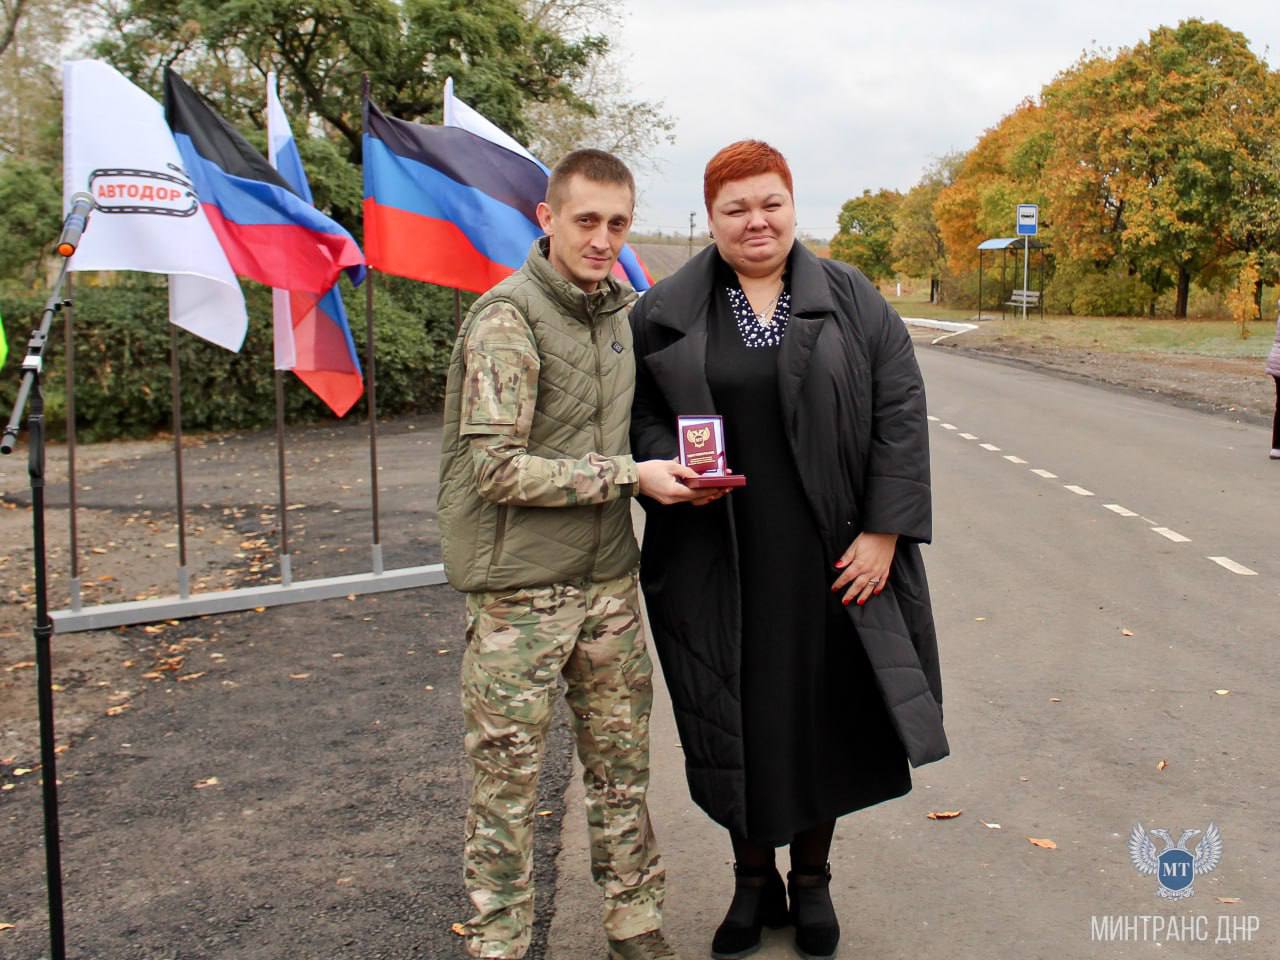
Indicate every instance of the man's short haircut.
{"type": "Point", "coordinates": [737, 161]}
{"type": "Point", "coordinates": [594, 165]}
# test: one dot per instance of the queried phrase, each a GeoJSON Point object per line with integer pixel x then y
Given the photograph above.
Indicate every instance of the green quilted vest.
{"type": "Point", "coordinates": [585, 387]}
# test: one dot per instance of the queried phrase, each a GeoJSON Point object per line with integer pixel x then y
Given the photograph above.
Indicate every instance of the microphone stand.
{"type": "Point", "coordinates": [32, 367]}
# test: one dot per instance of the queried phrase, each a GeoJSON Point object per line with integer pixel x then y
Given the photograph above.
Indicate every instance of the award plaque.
{"type": "Point", "coordinates": [702, 450]}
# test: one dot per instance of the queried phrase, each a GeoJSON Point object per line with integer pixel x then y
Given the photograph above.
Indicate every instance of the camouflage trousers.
{"type": "Point", "coordinates": [519, 644]}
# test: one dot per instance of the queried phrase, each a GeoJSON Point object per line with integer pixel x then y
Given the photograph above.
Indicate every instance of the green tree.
{"type": "Point", "coordinates": [866, 230]}
{"type": "Point", "coordinates": [917, 248]}
{"type": "Point", "coordinates": [504, 55]}
{"type": "Point", "coordinates": [1152, 150]}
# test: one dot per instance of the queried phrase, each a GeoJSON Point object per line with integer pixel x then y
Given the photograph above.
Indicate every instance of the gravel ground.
{"type": "Point", "coordinates": [285, 783]}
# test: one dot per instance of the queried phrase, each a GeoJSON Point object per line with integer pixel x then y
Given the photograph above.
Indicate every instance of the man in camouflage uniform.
{"type": "Point", "coordinates": [534, 506]}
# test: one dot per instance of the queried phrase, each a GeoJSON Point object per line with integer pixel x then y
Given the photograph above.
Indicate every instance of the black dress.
{"type": "Point", "coordinates": [817, 738]}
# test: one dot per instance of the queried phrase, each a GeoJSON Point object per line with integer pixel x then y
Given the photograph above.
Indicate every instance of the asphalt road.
{"type": "Point", "coordinates": [1081, 647]}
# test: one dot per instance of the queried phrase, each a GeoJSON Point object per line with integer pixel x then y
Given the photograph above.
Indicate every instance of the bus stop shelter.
{"type": "Point", "coordinates": [1004, 244]}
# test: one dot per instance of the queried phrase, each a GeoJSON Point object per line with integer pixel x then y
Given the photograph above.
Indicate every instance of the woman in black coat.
{"type": "Point", "coordinates": [792, 615]}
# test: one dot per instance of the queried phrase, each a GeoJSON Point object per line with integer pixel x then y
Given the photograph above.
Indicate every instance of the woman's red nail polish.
{"type": "Point", "coordinates": [841, 564]}
{"type": "Point", "coordinates": [845, 601]}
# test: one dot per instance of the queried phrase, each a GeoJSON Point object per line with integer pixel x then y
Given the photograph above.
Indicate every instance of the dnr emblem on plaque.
{"type": "Point", "coordinates": [1175, 868]}
{"type": "Point", "coordinates": [699, 436]}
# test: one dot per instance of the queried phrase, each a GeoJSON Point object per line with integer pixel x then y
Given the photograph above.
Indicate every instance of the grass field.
{"type": "Point", "coordinates": [1204, 338]}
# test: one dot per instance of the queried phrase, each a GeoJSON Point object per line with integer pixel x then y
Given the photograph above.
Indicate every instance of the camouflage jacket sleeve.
{"type": "Point", "coordinates": [499, 395]}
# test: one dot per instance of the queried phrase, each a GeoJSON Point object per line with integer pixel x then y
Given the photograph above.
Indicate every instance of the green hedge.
{"type": "Point", "coordinates": [122, 358]}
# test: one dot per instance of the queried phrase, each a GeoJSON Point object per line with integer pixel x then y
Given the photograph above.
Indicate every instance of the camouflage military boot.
{"type": "Point", "coordinates": [647, 946]}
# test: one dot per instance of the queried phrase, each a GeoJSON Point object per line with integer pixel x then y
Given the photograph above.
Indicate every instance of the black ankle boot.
{"type": "Point", "coordinates": [759, 900]}
{"type": "Point", "coordinates": [817, 929]}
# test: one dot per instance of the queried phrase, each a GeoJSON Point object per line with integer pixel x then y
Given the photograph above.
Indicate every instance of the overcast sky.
{"type": "Point", "coordinates": [864, 95]}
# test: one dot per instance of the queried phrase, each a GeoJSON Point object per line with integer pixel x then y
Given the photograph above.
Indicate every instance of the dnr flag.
{"type": "Point", "coordinates": [453, 205]}
{"type": "Point", "coordinates": [269, 232]}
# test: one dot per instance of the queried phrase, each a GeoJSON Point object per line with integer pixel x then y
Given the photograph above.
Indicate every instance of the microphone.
{"type": "Point", "coordinates": [77, 219]}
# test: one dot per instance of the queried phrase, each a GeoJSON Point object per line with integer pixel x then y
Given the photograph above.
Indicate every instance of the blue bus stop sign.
{"type": "Point", "coordinates": [1028, 219]}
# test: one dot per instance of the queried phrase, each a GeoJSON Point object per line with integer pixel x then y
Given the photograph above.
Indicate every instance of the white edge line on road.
{"type": "Point", "coordinates": [948, 426]}
{"type": "Point", "coordinates": [1116, 508]}
{"type": "Point", "coordinates": [989, 446]}
{"type": "Point", "coordinates": [1044, 473]}
{"type": "Point", "coordinates": [1173, 535]}
{"type": "Point", "coordinates": [968, 436]}
{"type": "Point", "coordinates": [954, 327]}
{"type": "Point", "coordinates": [1234, 567]}
{"type": "Point", "coordinates": [1078, 490]}
{"type": "Point", "coordinates": [1012, 459]}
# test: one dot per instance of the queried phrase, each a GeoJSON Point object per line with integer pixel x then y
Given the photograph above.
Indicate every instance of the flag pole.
{"type": "Point", "coordinates": [74, 584]}
{"type": "Point", "coordinates": [286, 560]}
{"type": "Point", "coordinates": [175, 381]}
{"type": "Point", "coordinates": [371, 389]}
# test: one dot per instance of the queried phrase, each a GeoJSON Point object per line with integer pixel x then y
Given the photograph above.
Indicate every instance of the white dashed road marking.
{"type": "Point", "coordinates": [1234, 567]}
{"type": "Point", "coordinates": [1173, 535]}
{"type": "Point", "coordinates": [1116, 508]}
{"type": "Point", "coordinates": [932, 418]}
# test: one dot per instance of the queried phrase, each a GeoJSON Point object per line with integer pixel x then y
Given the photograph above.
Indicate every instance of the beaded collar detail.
{"type": "Point", "coordinates": [760, 330]}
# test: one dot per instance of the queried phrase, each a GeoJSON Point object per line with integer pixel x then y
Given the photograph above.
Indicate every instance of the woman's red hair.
{"type": "Point", "coordinates": [737, 161]}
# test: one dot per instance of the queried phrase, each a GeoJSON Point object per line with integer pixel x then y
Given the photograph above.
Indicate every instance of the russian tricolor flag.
{"type": "Point", "coordinates": [454, 205]}
{"type": "Point", "coordinates": [269, 232]}
{"type": "Point", "coordinates": [312, 336]}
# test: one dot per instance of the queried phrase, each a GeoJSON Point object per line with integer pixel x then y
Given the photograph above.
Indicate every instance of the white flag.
{"type": "Point", "coordinates": [118, 148]}
{"type": "Point", "coordinates": [460, 114]}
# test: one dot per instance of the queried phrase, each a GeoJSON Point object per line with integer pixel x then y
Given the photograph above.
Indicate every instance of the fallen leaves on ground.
{"type": "Point", "coordinates": [1126, 633]}
{"type": "Point", "coordinates": [23, 771]}
{"type": "Point", "coordinates": [21, 665]}
{"type": "Point", "coordinates": [944, 814]}
{"type": "Point", "coordinates": [206, 782]}
{"type": "Point", "coordinates": [459, 929]}
{"type": "Point", "coordinates": [545, 813]}
{"type": "Point", "coordinates": [299, 676]}
{"type": "Point", "coordinates": [6, 926]}
{"type": "Point", "coordinates": [1042, 842]}
{"type": "Point", "coordinates": [118, 709]}
{"type": "Point", "coordinates": [187, 677]}
{"type": "Point", "coordinates": [1222, 693]}
{"type": "Point", "coordinates": [990, 826]}
{"type": "Point", "coordinates": [1162, 765]}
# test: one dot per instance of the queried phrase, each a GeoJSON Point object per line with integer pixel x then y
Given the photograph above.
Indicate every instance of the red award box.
{"type": "Point", "coordinates": [702, 450]}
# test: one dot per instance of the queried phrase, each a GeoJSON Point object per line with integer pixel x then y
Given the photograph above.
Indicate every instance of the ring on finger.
{"type": "Point", "coordinates": [873, 581]}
